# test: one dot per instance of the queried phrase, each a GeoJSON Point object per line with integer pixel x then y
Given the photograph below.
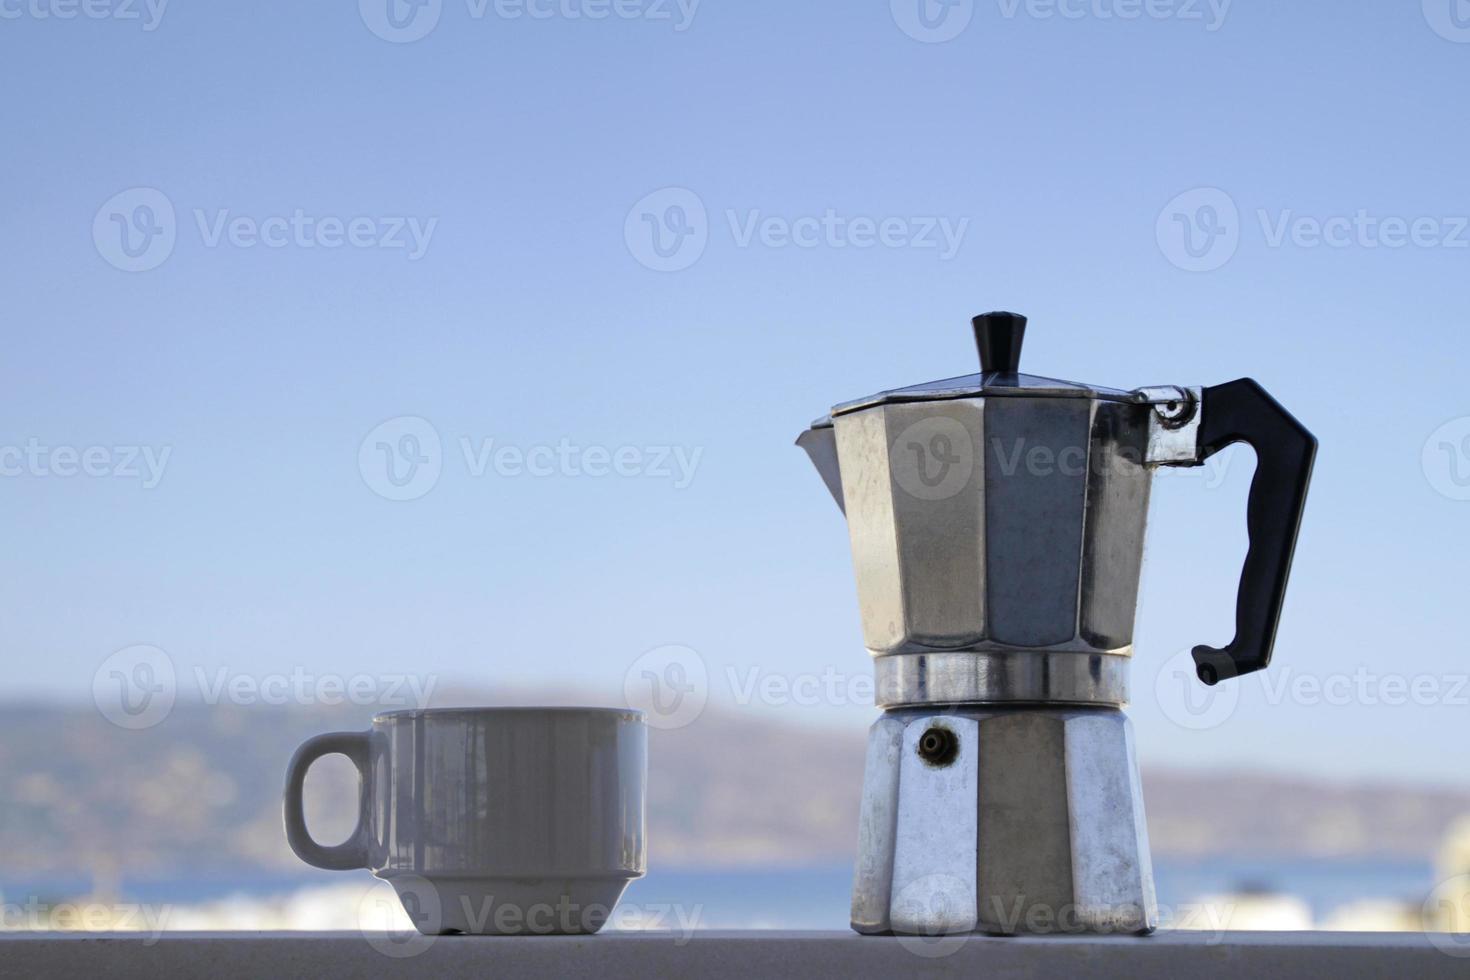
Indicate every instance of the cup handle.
{"type": "Point", "coordinates": [353, 852]}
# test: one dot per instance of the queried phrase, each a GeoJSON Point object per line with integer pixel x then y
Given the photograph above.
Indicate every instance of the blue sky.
{"type": "Point", "coordinates": [817, 153]}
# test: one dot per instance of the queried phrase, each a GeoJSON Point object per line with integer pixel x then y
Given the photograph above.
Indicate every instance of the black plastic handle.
{"type": "Point", "coordinates": [1241, 411]}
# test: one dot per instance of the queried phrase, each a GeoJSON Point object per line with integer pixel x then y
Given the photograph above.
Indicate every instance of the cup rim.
{"type": "Point", "coordinates": [632, 714]}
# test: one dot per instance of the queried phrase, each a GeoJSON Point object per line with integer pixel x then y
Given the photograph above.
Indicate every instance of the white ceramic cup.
{"type": "Point", "coordinates": [496, 821]}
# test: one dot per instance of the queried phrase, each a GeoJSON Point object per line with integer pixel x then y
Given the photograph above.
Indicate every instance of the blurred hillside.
{"type": "Point", "coordinates": [200, 793]}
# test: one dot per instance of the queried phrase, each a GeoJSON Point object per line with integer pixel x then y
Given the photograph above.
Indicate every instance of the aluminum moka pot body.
{"type": "Point", "coordinates": [997, 529]}
{"type": "Point", "coordinates": [997, 524]}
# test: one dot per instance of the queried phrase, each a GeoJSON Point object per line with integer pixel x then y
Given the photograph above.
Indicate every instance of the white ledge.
{"type": "Point", "coordinates": [744, 955]}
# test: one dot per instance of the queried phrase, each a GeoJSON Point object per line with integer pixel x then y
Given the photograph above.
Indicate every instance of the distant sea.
{"type": "Point", "coordinates": [817, 898]}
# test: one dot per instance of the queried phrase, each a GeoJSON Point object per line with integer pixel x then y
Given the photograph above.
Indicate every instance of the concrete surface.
{"type": "Point", "coordinates": [752, 955]}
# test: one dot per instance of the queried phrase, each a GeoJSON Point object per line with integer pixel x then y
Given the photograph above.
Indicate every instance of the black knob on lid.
{"type": "Point", "coordinates": [999, 337]}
